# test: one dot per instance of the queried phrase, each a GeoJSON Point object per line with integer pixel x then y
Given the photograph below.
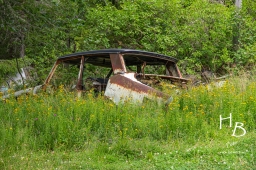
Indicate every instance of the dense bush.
{"type": "Point", "coordinates": [204, 35]}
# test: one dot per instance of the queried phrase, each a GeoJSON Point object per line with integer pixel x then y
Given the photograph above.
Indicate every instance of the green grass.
{"type": "Point", "coordinates": [232, 153]}
{"type": "Point", "coordinates": [59, 131]}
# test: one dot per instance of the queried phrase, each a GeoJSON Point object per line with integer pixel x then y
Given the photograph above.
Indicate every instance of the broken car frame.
{"type": "Point", "coordinates": [120, 84]}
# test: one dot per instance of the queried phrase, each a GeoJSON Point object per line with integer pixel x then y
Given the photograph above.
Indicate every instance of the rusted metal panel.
{"type": "Point", "coordinates": [178, 70]}
{"type": "Point", "coordinates": [118, 64]}
{"type": "Point", "coordinates": [173, 78]}
{"type": "Point", "coordinates": [51, 74]}
{"type": "Point", "coordinates": [125, 86]}
{"type": "Point", "coordinates": [79, 85]}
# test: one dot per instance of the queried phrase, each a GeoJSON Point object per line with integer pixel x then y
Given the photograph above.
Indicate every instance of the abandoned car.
{"type": "Point", "coordinates": [130, 73]}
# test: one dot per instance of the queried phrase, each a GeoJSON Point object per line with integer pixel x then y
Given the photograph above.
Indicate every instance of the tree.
{"type": "Point", "coordinates": [199, 33]}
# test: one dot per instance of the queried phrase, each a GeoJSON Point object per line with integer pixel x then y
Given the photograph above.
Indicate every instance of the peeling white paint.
{"type": "Point", "coordinates": [118, 93]}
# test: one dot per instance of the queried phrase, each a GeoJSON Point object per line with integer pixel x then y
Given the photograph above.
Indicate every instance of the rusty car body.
{"type": "Point", "coordinates": [121, 83]}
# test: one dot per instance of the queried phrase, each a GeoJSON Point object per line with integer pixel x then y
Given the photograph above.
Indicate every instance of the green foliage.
{"type": "Point", "coordinates": [7, 67]}
{"type": "Point", "coordinates": [206, 34]}
{"type": "Point", "coordinates": [10, 68]}
{"type": "Point", "coordinates": [202, 34]}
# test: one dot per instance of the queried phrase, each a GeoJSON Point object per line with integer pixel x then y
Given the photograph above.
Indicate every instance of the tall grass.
{"type": "Point", "coordinates": [61, 121]}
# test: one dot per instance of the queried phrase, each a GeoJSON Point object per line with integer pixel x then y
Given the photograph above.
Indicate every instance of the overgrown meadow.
{"type": "Point", "coordinates": [59, 131]}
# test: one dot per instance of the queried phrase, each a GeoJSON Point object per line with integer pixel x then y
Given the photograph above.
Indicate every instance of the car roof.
{"type": "Point", "coordinates": [131, 57]}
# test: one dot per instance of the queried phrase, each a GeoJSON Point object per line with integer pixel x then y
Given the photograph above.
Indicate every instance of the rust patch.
{"type": "Point", "coordinates": [51, 74]}
{"type": "Point", "coordinates": [79, 85]}
{"type": "Point", "coordinates": [175, 79]}
{"type": "Point", "coordinates": [118, 64]}
{"type": "Point", "coordinates": [135, 86]}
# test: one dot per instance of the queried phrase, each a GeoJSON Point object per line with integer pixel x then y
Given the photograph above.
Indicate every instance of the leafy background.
{"type": "Point", "coordinates": [204, 34]}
